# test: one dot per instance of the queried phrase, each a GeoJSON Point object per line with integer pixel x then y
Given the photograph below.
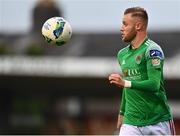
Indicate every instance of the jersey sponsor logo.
{"type": "Point", "coordinates": [131, 72]}
{"type": "Point", "coordinates": [156, 53]}
{"type": "Point", "coordinates": [155, 62]}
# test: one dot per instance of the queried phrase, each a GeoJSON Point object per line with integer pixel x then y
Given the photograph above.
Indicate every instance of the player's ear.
{"type": "Point", "coordinates": [139, 26]}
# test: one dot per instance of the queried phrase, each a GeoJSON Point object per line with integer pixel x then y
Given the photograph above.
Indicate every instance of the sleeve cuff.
{"type": "Point", "coordinates": [127, 84]}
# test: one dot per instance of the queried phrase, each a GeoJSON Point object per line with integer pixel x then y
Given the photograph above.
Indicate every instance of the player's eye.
{"type": "Point", "coordinates": [124, 23]}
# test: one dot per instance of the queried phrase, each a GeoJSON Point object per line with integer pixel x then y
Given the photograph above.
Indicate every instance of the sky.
{"type": "Point", "coordinates": [92, 15]}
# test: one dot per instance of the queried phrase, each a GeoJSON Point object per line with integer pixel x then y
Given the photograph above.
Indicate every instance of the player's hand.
{"type": "Point", "coordinates": [117, 80]}
{"type": "Point", "coordinates": [119, 122]}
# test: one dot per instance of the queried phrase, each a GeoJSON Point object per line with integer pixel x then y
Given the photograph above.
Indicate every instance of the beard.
{"type": "Point", "coordinates": [129, 37]}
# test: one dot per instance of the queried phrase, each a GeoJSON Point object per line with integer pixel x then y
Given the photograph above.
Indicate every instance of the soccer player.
{"type": "Point", "coordinates": [144, 109]}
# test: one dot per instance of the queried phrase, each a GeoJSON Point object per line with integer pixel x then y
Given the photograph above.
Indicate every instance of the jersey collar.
{"type": "Point", "coordinates": [130, 46]}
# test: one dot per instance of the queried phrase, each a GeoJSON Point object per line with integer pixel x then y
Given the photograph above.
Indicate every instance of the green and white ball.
{"type": "Point", "coordinates": [57, 30]}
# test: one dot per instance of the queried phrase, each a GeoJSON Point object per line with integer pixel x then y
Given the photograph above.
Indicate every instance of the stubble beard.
{"type": "Point", "coordinates": [130, 37]}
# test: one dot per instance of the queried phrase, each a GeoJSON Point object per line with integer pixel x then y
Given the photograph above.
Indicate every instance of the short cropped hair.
{"type": "Point", "coordinates": [137, 12]}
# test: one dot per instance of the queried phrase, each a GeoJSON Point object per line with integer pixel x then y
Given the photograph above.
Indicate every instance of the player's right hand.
{"type": "Point", "coordinates": [119, 122]}
{"type": "Point", "coordinates": [117, 80]}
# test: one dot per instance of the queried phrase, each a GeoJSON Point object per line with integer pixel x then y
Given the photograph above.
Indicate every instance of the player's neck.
{"type": "Point", "coordinates": [138, 40]}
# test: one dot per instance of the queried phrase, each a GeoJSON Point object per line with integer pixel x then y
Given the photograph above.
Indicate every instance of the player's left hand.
{"type": "Point", "coordinates": [117, 80]}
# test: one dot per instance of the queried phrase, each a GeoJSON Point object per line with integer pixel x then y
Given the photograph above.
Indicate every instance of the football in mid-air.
{"type": "Point", "coordinates": [57, 30]}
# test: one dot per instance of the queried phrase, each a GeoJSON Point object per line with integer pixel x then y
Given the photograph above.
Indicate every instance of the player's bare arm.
{"type": "Point", "coordinates": [119, 121]}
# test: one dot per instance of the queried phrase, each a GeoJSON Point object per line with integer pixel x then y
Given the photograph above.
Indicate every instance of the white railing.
{"type": "Point", "coordinates": [71, 66]}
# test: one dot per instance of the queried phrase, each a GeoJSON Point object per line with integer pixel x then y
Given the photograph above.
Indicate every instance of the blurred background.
{"type": "Point", "coordinates": [65, 90]}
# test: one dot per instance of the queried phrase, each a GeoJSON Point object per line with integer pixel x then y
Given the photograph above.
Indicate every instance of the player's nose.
{"type": "Point", "coordinates": [121, 29]}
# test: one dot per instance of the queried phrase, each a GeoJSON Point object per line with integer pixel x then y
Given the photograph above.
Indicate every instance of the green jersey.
{"type": "Point", "coordinates": [145, 102]}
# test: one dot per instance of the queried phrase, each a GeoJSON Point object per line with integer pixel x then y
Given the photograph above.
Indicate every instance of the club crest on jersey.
{"type": "Point", "coordinates": [138, 59]}
{"type": "Point", "coordinates": [156, 54]}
